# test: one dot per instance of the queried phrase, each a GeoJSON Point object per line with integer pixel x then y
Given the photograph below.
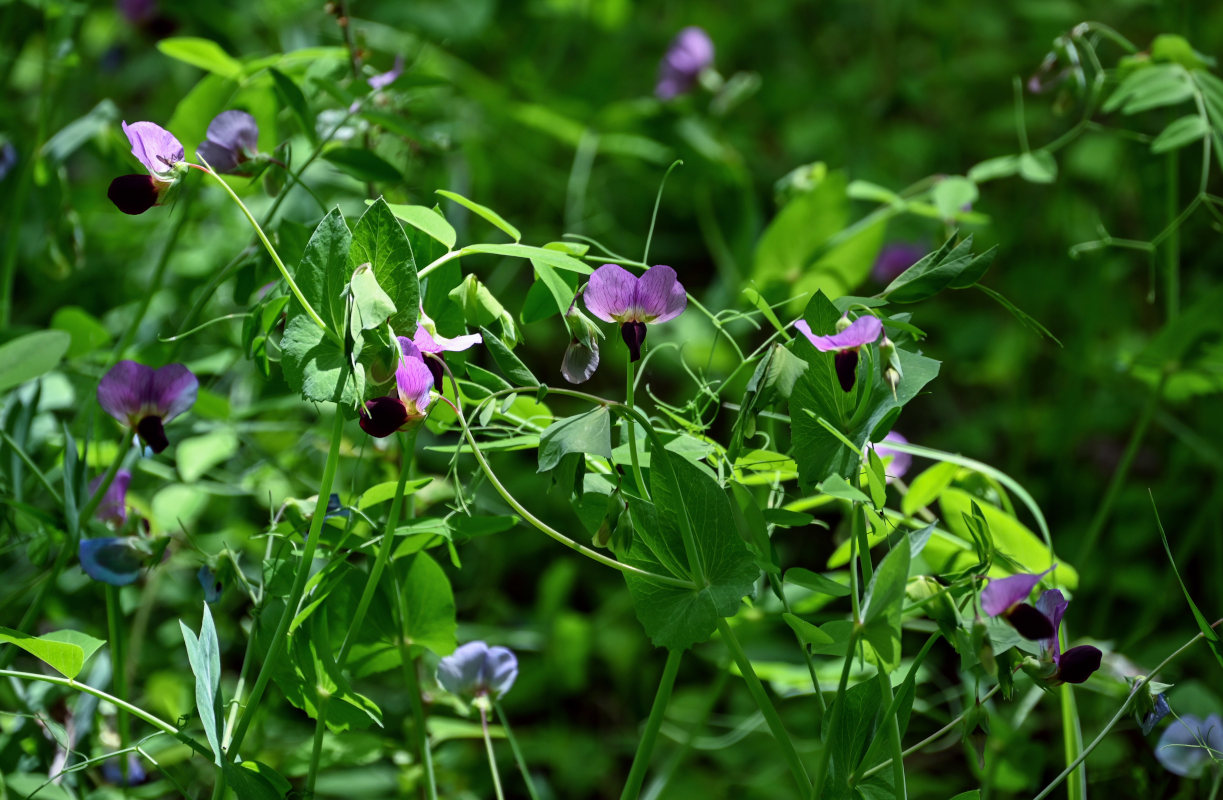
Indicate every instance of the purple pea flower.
{"type": "Point", "coordinates": [112, 559]}
{"type": "Point", "coordinates": [1076, 664]}
{"type": "Point", "coordinates": [1190, 744]}
{"type": "Point", "coordinates": [477, 670]}
{"type": "Point", "coordinates": [616, 295]}
{"type": "Point", "coordinates": [145, 399]}
{"type": "Point", "coordinates": [383, 416]}
{"type": "Point", "coordinates": [385, 79]}
{"type": "Point", "coordinates": [1007, 597]}
{"type": "Point", "coordinates": [894, 259]}
{"type": "Point", "coordinates": [900, 461]}
{"type": "Point", "coordinates": [582, 355]}
{"type": "Point", "coordinates": [113, 508]}
{"type": "Point", "coordinates": [161, 154]}
{"type": "Point", "coordinates": [690, 53]}
{"type": "Point", "coordinates": [428, 340]}
{"type": "Point", "coordinates": [845, 343]}
{"type": "Point", "coordinates": [232, 139]}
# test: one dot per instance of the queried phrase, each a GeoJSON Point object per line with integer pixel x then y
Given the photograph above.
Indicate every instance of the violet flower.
{"type": "Point", "coordinates": [113, 507]}
{"type": "Point", "coordinates": [616, 295]}
{"type": "Point", "coordinates": [232, 139]}
{"type": "Point", "coordinates": [145, 399]}
{"type": "Point", "coordinates": [900, 461]}
{"type": "Point", "coordinates": [382, 416]}
{"type": "Point", "coordinates": [845, 343]}
{"type": "Point", "coordinates": [161, 154]}
{"type": "Point", "coordinates": [1190, 744]}
{"type": "Point", "coordinates": [582, 355]}
{"type": "Point", "coordinates": [1076, 664]}
{"type": "Point", "coordinates": [428, 340]}
{"type": "Point", "coordinates": [690, 53]}
{"type": "Point", "coordinates": [385, 79]}
{"type": "Point", "coordinates": [477, 670]}
{"type": "Point", "coordinates": [894, 259]}
{"type": "Point", "coordinates": [112, 559]}
{"type": "Point", "coordinates": [1007, 597]}
{"type": "Point", "coordinates": [112, 771]}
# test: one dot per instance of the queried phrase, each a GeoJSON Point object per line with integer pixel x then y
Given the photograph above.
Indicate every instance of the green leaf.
{"type": "Point", "coordinates": [364, 165]}
{"type": "Point", "coordinates": [994, 168]}
{"type": "Point", "coordinates": [1018, 313]}
{"type": "Point", "coordinates": [378, 240]}
{"type": "Point", "coordinates": [807, 633]}
{"type": "Point", "coordinates": [1209, 633]}
{"type": "Point", "coordinates": [1038, 167]}
{"type": "Point", "coordinates": [951, 194]}
{"type": "Point", "coordinates": [204, 654]}
{"type": "Point", "coordinates": [887, 587]}
{"type": "Point", "coordinates": [382, 492]}
{"type": "Point", "coordinates": [203, 53]}
{"type": "Point", "coordinates": [484, 212]}
{"type": "Point", "coordinates": [30, 356]}
{"type": "Point", "coordinates": [323, 271]}
{"type": "Point", "coordinates": [816, 582]}
{"type": "Point", "coordinates": [292, 96]}
{"type": "Point", "coordinates": [836, 486]}
{"type": "Point", "coordinates": [427, 220]}
{"type": "Point", "coordinates": [252, 782]}
{"type": "Point", "coordinates": [675, 617]}
{"type": "Point", "coordinates": [792, 240]}
{"type": "Point", "coordinates": [561, 292]}
{"type": "Point", "coordinates": [198, 454]}
{"type": "Point", "coordinates": [314, 365]}
{"type": "Point", "coordinates": [585, 433]}
{"type": "Point", "coordinates": [1180, 132]}
{"type": "Point", "coordinates": [64, 651]}
{"type": "Point", "coordinates": [428, 606]}
{"type": "Point", "coordinates": [509, 364]}
{"type": "Point", "coordinates": [857, 723]}
{"type": "Point", "coordinates": [87, 333]}
{"type": "Point", "coordinates": [371, 307]}
{"type": "Point", "coordinates": [927, 487]}
{"type": "Point", "coordinates": [951, 266]}
{"type": "Point", "coordinates": [546, 255]}
{"type": "Point", "coordinates": [1151, 87]}
{"type": "Point", "coordinates": [100, 119]}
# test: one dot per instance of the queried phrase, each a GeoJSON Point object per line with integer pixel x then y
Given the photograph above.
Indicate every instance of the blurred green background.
{"type": "Point", "coordinates": [544, 110]}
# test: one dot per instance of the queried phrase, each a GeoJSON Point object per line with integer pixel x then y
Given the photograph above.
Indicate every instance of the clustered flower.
{"type": "Point", "coordinates": [616, 295]}
{"type": "Point", "coordinates": [1007, 598]}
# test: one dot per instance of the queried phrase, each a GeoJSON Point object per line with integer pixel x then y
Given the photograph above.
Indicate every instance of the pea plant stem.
{"type": "Point", "coordinates": [645, 747]}
{"type": "Point", "coordinates": [118, 667]}
{"type": "Point", "coordinates": [934, 737]}
{"type": "Point", "coordinates": [492, 757]}
{"type": "Point", "coordinates": [518, 759]}
{"type": "Point", "coordinates": [277, 647]}
{"type": "Point", "coordinates": [420, 731]}
{"type": "Point", "coordinates": [771, 718]}
{"type": "Point", "coordinates": [631, 434]}
{"type": "Point", "coordinates": [316, 749]}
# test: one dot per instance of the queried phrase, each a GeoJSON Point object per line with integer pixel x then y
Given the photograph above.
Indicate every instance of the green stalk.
{"type": "Point", "coordinates": [118, 669]}
{"type": "Point", "coordinates": [632, 433]}
{"type": "Point", "coordinates": [420, 730]}
{"type": "Point", "coordinates": [1072, 743]}
{"type": "Point", "coordinates": [276, 649]}
{"type": "Point", "coordinates": [518, 759]}
{"type": "Point", "coordinates": [838, 706]}
{"type": "Point", "coordinates": [310, 312]}
{"type": "Point", "coordinates": [316, 751]}
{"type": "Point", "coordinates": [645, 747]}
{"type": "Point", "coordinates": [893, 726]}
{"type": "Point", "coordinates": [408, 446]}
{"type": "Point", "coordinates": [1172, 250]}
{"type": "Point", "coordinates": [771, 718]}
{"type": "Point", "coordinates": [934, 737]}
{"type": "Point", "coordinates": [135, 711]}
{"type": "Point", "coordinates": [815, 678]}
{"type": "Point", "coordinates": [488, 747]}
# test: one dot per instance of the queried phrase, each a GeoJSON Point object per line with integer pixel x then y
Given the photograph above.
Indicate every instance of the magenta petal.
{"type": "Point", "coordinates": [1052, 603]}
{"type": "Point", "coordinates": [427, 343]}
{"type": "Point", "coordinates": [660, 296]}
{"type": "Point", "coordinates": [113, 507]}
{"type": "Point", "coordinates": [900, 461]}
{"type": "Point", "coordinates": [154, 146]}
{"type": "Point", "coordinates": [413, 378]}
{"type": "Point", "coordinates": [611, 293]}
{"type": "Point", "coordinates": [122, 390]}
{"type": "Point", "coordinates": [173, 391]}
{"type": "Point", "coordinates": [384, 79]}
{"type": "Point", "coordinates": [864, 330]}
{"type": "Point", "coordinates": [1002, 593]}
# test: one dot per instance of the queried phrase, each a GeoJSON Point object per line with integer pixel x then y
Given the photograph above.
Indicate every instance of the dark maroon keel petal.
{"type": "Point", "coordinates": [1076, 664]}
{"type": "Point", "coordinates": [383, 416]}
{"type": "Point", "coordinates": [153, 434]}
{"type": "Point", "coordinates": [434, 363]}
{"type": "Point", "coordinates": [846, 362]}
{"type": "Point", "coordinates": [633, 334]}
{"type": "Point", "coordinates": [133, 194]}
{"type": "Point", "coordinates": [1030, 623]}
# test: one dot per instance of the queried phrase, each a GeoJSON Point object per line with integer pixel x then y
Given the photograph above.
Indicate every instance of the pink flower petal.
{"type": "Point", "coordinates": [864, 330]}
{"type": "Point", "coordinates": [173, 391]}
{"type": "Point", "coordinates": [154, 146]}
{"type": "Point", "coordinates": [123, 389]}
{"type": "Point", "coordinates": [611, 294]}
{"type": "Point", "coordinates": [660, 295]}
{"type": "Point", "coordinates": [1002, 593]}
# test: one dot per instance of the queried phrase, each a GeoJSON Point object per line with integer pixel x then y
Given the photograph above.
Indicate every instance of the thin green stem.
{"type": "Point", "coordinates": [118, 666]}
{"type": "Point", "coordinates": [645, 258]}
{"type": "Point", "coordinates": [243, 672]}
{"type": "Point", "coordinates": [594, 555]}
{"type": "Point", "coordinates": [629, 390]}
{"type": "Point", "coordinates": [645, 747]}
{"type": "Point", "coordinates": [438, 262]}
{"type": "Point", "coordinates": [492, 758]}
{"type": "Point", "coordinates": [408, 446]}
{"type": "Point", "coordinates": [934, 737]}
{"type": "Point", "coordinates": [419, 729]}
{"type": "Point", "coordinates": [279, 637]}
{"type": "Point", "coordinates": [310, 312]}
{"type": "Point", "coordinates": [1072, 743]}
{"type": "Point", "coordinates": [771, 718]}
{"type": "Point", "coordinates": [518, 759]}
{"type": "Point", "coordinates": [1172, 247]}
{"type": "Point", "coordinates": [775, 582]}
{"type": "Point", "coordinates": [838, 710]}
{"type": "Point", "coordinates": [38, 473]}
{"type": "Point", "coordinates": [1117, 481]}
{"type": "Point", "coordinates": [135, 711]}
{"type": "Point", "coordinates": [1138, 687]}
{"type": "Point", "coordinates": [893, 726]}
{"type": "Point", "coordinates": [316, 749]}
